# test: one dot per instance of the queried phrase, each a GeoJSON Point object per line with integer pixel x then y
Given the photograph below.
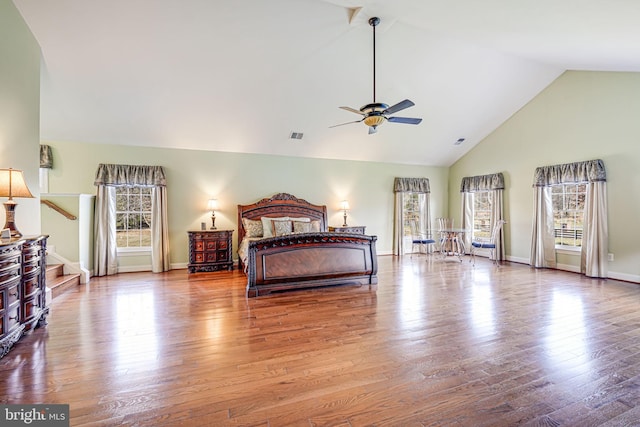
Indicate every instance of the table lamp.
{"type": "Point", "coordinates": [344, 205]}
{"type": "Point", "coordinates": [212, 205]}
{"type": "Point", "coordinates": [12, 185]}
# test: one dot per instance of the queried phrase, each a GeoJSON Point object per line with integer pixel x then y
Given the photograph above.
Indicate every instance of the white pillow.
{"type": "Point", "coordinates": [300, 219]}
{"type": "Point", "coordinates": [267, 229]}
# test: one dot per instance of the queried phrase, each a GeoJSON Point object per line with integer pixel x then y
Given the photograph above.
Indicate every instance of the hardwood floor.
{"type": "Point", "coordinates": [438, 343]}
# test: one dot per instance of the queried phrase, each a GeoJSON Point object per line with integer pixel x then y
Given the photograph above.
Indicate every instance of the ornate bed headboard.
{"type": "Point", "coordinates": [278, 205]}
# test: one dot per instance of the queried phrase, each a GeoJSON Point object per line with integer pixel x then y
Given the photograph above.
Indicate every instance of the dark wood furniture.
{"type": "Point", "coordinates": [22, 288]}
{"type": "Point", "coordinates": [355, 229]}
{"type": "Point", "coordinates": [308, 259]}
{"type": "Point", "coordinates": [210, 250]}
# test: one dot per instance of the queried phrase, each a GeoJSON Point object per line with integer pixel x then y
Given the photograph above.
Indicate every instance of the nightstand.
{"type": "Point", "coordinates": [210, 250]}
{"type": "Point", "coordinates": [354, 229]}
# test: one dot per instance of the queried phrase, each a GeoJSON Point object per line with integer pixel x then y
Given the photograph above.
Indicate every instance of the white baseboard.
{"type": "Point", "coordinates": [147, 267]}
{"type": "Point", "coordinates": [625, 277]}
{"type": "Point", "coordinates": [133, 268]}
{"type": "Point", "coordinates": [576, 269]}
{"type": "Point", "coordinates": [568, 267]}
{"type": "Point", "coordinates": [183, 265]}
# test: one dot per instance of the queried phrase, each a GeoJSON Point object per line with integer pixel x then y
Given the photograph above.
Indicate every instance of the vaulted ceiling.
{"type": "Point", "coordinates": [241, 75]}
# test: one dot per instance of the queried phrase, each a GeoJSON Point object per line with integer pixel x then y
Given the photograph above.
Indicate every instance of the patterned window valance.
{"type": "Point", "coordinates": [471, 184]}
{"type": "Point", "coordinates": [152, 176]}
{"type": "Point", "coordinates": [589, 171]}
{"type": "Point", "coordinates": [411, 185]}
{"type": "Point", "coordinates": [46, 158]}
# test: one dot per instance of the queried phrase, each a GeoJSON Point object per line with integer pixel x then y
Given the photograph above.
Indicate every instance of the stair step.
{"type": "Point", "coordinates": [53, 271]}
{"type": "Point", "coordinates": [58, 282]}
{"type": "Point", "coordinates": [62, 284]}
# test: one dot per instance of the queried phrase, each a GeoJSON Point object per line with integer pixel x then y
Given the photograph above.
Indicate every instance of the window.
{"type": "Point", "coordinates": [133, 217]}
{"type": "Point", "coordinates": [411, 212]}
{"type": "Point", "coordinates": [568, 211]}
{"type": "Point", "coordinates": [415, 218]}
{"type": "Point", "coordinates": [482, 214]}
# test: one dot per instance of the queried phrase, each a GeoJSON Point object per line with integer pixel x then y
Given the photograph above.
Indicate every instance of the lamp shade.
{"type": "Point", "coordinates": [212, 204]}
{"type": "Point", "coordinates": [12, 184]}
{"type": "Point", "coordinates": [344, 205]}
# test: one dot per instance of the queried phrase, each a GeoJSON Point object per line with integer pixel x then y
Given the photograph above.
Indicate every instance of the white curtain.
{"type": "Point", "coordinates": [109, 176]}
{"type": "Point", "coordinates": [159, 230]}
{"type": "Point", "coordinates": [467, 218]}
{"type": "Point", "coordinates": [593, 259]}
{"type": "Point", "coordinates": [424, 225]}
{"type": "Point", "coordinates": [543, 246]}
{"type": "Point", "coordinates": [497, 209]}
{"type": "Point", "coordinates": [494, 184]}
{"type": "Point", "coordinates": [398, 224]}
{"type": "Point", "coordinates": [595, 234]}
{"type": "Point", "coordinates": [410, 185]}
{"type": "Point", "coordinates": [105, 255]}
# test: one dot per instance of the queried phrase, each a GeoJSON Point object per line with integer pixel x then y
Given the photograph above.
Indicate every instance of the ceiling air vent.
{"type": "Point", "coordinates": [296, 135]}
{"type": "Point", "coordinates": [459, 141]}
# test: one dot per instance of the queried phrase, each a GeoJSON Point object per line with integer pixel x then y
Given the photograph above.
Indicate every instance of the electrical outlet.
{"type": "Point", "coordinates": [610, 257]}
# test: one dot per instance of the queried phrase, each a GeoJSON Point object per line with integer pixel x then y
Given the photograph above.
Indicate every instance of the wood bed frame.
{"type": "Point", "coordinates": [308, 259]}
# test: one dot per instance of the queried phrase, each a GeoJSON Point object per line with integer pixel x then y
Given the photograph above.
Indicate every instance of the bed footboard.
{"type": "Point", "coordinates": [311, 260]}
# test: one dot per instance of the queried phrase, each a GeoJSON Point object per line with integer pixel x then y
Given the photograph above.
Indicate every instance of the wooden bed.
{"type": "Point", "coordinates": [303, 260]}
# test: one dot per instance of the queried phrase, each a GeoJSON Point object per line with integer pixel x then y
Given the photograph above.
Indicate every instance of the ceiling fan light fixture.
{"type": "Point", "coordinates": [373, 121]}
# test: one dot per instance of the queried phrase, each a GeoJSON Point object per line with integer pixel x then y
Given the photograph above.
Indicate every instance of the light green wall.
{"type": "Point", "coordinates": [20, 110]}
{"type": "Point", "coordinates": [581, 116]}
{"type": "Point", "coordinates": [72, 239]}
{"type": "Point", "coordinates": [193, 177]}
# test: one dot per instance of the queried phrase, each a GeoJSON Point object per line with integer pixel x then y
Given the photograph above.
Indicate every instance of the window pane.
{"type": "Point", "coordinates": [146, 221]}
{"type": "Point", "coordinates": [134, 202]}
{"type": "Point", "coordinates": [134, 221]}
{"type": "Point", "coordinates": [145, 237]}
{"type": "Point", "coordinates": [121, 201]}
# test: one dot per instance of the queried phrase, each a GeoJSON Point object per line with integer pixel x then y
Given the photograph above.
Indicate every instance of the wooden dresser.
{"type": "Point", "coordinates": [23, 304]}
{"type": "Point", "coordinates": [354, 229]}
{"type": "Point", "coordinates": [210, 250]}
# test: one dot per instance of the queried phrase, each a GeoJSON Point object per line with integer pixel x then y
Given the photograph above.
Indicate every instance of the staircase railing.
{"type": "Point", "coordinates": [58, 209]}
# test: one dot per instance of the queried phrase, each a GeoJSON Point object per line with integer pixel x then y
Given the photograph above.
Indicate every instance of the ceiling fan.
{"type": "Point", "coordinates": [376, 113]}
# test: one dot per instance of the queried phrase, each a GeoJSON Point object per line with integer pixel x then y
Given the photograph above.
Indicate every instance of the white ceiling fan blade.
{"type": "Point", "coordinates": [347, 123]}
{"type": "Point", "coordinates": [353, 110]}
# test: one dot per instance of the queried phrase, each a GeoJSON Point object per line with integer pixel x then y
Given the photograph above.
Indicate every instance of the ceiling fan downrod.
{"type": "Point", "coordinates": [376, 113]}
{"type": "Point", "coordinates": [374, 22]}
